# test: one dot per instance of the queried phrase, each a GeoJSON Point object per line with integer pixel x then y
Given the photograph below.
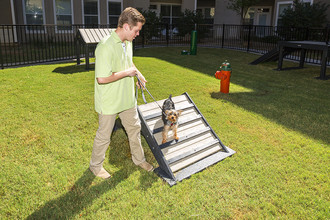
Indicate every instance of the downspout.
{"type": "Point", "coordinates": [12, 12]}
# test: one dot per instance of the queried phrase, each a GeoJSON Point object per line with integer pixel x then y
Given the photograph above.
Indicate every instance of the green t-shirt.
{"type": "Point", "coordinates": [110, 56]}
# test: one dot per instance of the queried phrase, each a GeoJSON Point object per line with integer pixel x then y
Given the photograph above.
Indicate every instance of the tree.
{"type": "Point", "coordinates": [150, 16]}
{"type": "Point", "coordinates": [152, 27]}
{"type": "Point", "coordinates": [241, 6]}
{"type": "Point", "coordinates": [305, 14]}
{"type": "Point", "coordinates": [188, 20]}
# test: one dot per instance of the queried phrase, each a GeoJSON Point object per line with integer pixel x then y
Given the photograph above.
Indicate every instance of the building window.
{"type": "Point", "coordinates": [208, 14]}
{"type": "Point", "coordinates": [152, 7]}
{"type": "Point", "coordinates": [91, 12]}
{"type": "Point", "coordinates": [63, 14]}
{"type": "Point", "coordinates": [257, 16]}
{"type": "Point", "coordinates": [249, 17]}
{"type": "Point", "coordinates": [281, 6]}
{"type": "Point", "coordinates": [308, 1]}
{"type": "Point", "coordinates": [114, 11]}
{"type": "Point", "coordinates": [170, 13]}
{"type": "Point", "coordinates": [33, 13]}
{"type": "Point", "coordinates": [280, 9]}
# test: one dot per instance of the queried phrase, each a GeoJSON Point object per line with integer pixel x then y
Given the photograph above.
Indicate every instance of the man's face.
{"type": "Point", "coordinates": [133, 32]}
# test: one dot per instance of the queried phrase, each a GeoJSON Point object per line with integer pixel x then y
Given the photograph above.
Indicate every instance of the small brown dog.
{"type": "Point", "coordinates": [170, 118]}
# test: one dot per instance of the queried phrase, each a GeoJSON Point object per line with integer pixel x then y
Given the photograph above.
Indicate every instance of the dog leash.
{"type": "Point", "coordinates": [136, 90]}
{"type": "Point", "coordinates": [143, 97]}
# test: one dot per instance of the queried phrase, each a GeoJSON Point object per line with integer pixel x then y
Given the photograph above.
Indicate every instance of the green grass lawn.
{"type": "Point", "coordinates": [276, 121]}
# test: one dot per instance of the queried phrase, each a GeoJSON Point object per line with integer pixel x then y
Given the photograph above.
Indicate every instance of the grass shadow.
{"type": "Point", "coordinates": [72, 69]}
{"type": "Point", "coordinates": [289, 68]}
{"type": "Point", "coordinates": [83, 192]}
{"type": "Point", "coordinates": [291, 98]}
{"type": "Point", "coordinates": [80, 196]}
{"type": "Point", "coordinates": [287, 111]}
{"type": "Point", "coordinates": [120, 155]}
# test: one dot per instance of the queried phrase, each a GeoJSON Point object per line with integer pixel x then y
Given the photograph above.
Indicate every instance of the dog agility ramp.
{"type": "Point", "coordinates": [272, 55]}
{"type": "Point", "coordinates": [197, 148]}
{"type": "Point", "coordinates": [269, 56]}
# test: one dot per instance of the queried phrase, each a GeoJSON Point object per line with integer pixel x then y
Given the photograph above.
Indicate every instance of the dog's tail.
{"type": "Point", "coordinates": [170, 97]}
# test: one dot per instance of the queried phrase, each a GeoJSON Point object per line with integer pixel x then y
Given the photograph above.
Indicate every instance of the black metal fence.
{"type": "Point", "coordinates": [31, 44]}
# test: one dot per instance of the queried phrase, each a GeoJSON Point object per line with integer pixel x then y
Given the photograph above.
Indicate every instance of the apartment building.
{"type": "Point", "coordinates": [266, 12]}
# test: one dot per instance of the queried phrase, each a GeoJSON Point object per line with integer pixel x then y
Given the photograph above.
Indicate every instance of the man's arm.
{"type": "Point", "coordinates": [117, 75]}
{"type": "Point", "coordinates": [141, 77]}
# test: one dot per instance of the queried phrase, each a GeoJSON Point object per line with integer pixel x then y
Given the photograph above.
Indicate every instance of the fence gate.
{"type": "Point", "coordinates": [197, 148]}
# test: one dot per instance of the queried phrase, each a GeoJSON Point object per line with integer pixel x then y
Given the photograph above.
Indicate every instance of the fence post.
{"type": "Point", "coordinates": [249, 38]}
{"type": "Point", "coordinates": [223, 35]}
{"type": "Point", "coordinates": [143, 32]}
{"type": "Point", "coordinates": [327, 34]}
{"type": "Point", "coordinates": [307, 33]}
{"type": "Point", "coordinates": [77, 43]}
{"type": "Point", "coordinates": [167, 34]}
{"type": "Point", "coordinates": [1, 58]}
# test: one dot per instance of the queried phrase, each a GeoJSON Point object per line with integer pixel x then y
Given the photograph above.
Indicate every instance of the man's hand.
{"type": "Point", "coordinates": [143, 81]}
{"type": "Point", "coordinates": [131, 71]}
{"type": "Point", "coordinates": [141, 77]}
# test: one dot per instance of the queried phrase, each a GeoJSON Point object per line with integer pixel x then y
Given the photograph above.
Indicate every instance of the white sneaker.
{"type": "Point", "coordinates": [146, 166]}
{"type": "Point", "coordinates": [102, 173]}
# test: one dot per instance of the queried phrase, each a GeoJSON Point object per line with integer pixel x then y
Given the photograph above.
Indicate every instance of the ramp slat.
{"type": "Point", "coordinates": [84, 36]}
{"type": "Point", "coordinates": [192, 150]}
{"type": "Point", "coordinates": [190, 127]}
{"type": "Point", "coordinates": [158, 127]}
{"type": "Point", "coordinates": [182, 131]}
{"type": "Point", "coordinates": [153, 105]}
{"type": "Point", "coordinates": [189, 113]}
{"type": "Point", "coordinates": [162, 146]}
{"type": "Point", "coordinates": [97, 35]}
{"type": "Point", "coordinates": [183, 146]}
{"type": "Point", "coordinates": [107, 31]}
{"type": "Point", "coordinates": [102, 33]}
{"type": "Point", "coordinates": [202, 164]}
{"type": "Point", "coordinates": [156, 112]}
{"type": "Point", "coordinates": [93, 36]}
{"type": "Point", "coordinates": [96, 38]}
{"type": "Point", "coordinates": [90, 36]}
{"type": "Point", "coordinates": [194, 158]}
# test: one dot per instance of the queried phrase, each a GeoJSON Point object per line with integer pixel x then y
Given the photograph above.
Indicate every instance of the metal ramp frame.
{"type": "Point", "coordinates": [272, 55]}
{"type": "Point", "coordinates": [198, 146]}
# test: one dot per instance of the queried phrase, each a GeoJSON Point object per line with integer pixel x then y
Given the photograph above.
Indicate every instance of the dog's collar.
{"type": "Point", "coordinates": [169, 123]}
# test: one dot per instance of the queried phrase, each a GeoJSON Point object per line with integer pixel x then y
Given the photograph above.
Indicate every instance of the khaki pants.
{"type": "Point", "coordinates": [131, 122]}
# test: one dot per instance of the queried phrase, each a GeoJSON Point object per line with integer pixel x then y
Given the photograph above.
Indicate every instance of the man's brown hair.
{"type": "Point", "coordinates": [131, 16]}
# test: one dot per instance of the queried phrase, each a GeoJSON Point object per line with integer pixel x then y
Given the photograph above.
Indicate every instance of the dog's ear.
{"type": "Point", "coordinates": [179, 112]}
{"type": "Point", "coordinates": [167, 111]}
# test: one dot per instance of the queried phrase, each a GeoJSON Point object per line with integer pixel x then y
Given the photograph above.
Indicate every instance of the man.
{"type": "Point", "coordinates": [114, 91]}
